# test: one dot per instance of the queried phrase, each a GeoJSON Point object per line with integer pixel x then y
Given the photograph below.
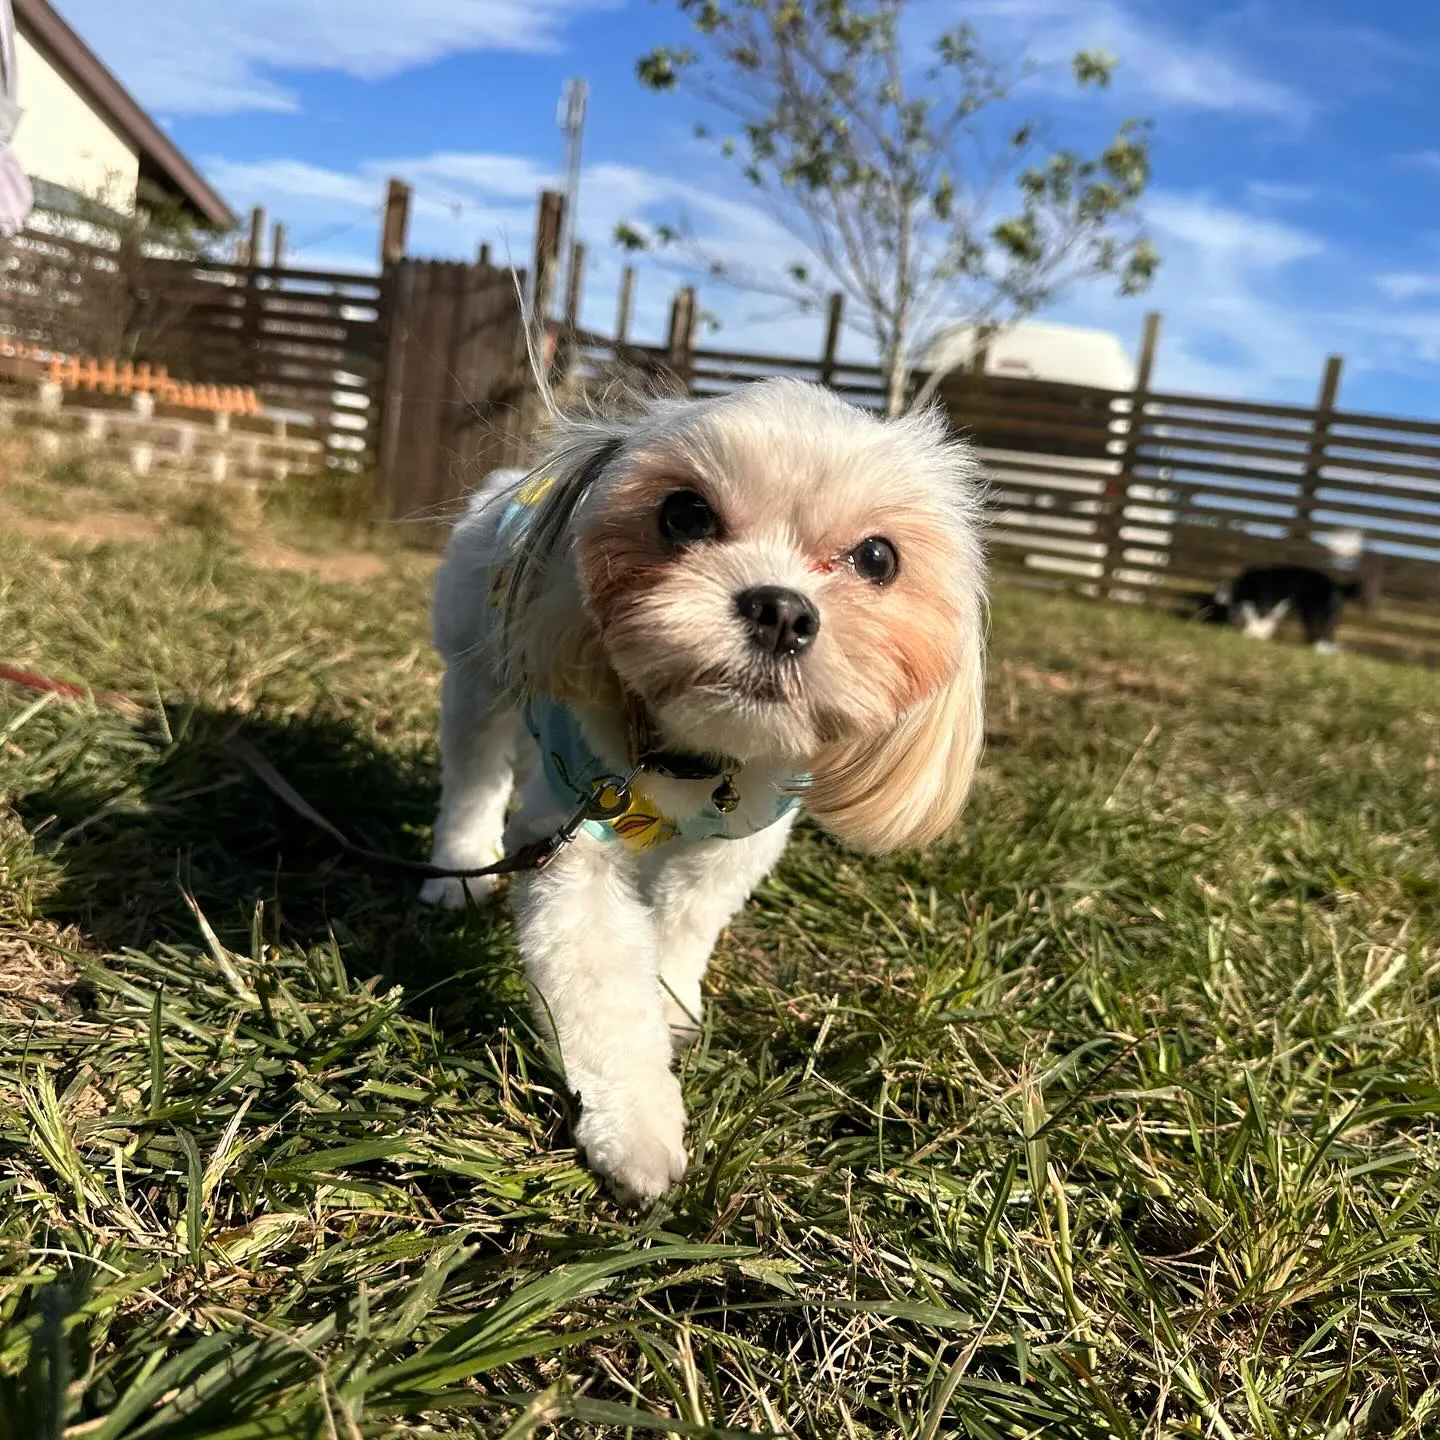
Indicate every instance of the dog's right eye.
{"type": "Point", "coordinates": [686, 518]}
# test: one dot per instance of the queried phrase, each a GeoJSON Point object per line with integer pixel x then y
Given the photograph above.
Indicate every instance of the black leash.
{"type": "Point", "coordinates": [611, 797]}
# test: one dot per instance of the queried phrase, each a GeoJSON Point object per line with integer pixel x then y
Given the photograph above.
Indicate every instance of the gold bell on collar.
{"type": "Point", "coordinates": [725, 797]}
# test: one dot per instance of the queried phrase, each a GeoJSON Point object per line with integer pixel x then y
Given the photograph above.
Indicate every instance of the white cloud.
{"type": "Point", "coordinates": [216, 57]}
{"type": "Point", "coordinates": [1408, 285]}
{"type": "Point", "coordinates": [463, 199]}
{"type": "Point", "coordinates": [458, 200]}
{"type": "Point", "coordinates": [1228, 292]}
{"type": "Point", "coordinates": [1157, 63]}
{"type": "Point", "coordinates": [1251, 304]}
{"type": "Point", "coordinates": [1280, 192]}
{"type": "Point", "coordinates": [1226, 241]}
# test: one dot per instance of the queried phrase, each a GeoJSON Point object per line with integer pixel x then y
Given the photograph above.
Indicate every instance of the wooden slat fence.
{"type": "Point", "coordinates": [456, 384]}
{"type": "Point", "coordinates": [718, 372]}
{"type": "Point", "coordinates": [1085, 497]}
{"type": "Point", "coordinates": [1149, 497]}
{"type": "Point", "coordinates": [1137, 496]}
{"type": "Point", "coordinates": [311, 343]}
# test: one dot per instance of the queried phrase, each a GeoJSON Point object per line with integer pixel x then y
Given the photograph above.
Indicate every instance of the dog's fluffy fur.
{"type": "Point", "coordinates": [883, 712]}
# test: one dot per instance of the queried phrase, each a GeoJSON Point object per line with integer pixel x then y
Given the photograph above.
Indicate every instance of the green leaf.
{"type": "Point", "coordinates": [1094, 67]}
{"type": "Point", "coordinates": [627, 237]}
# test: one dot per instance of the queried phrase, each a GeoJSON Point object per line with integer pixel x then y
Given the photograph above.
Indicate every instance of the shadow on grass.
{"type": "Point", "coordinates": [156, 816]}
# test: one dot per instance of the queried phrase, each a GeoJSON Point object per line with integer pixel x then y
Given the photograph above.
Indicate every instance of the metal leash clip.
{"type": "Point", "coordinates": [609, 797]}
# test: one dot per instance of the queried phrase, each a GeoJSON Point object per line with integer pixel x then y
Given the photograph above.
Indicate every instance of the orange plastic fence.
{"type": "Point", "coordinates": [112, 378]}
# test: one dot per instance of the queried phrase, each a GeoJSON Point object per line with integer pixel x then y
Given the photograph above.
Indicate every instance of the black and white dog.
{"type": "Point", "coordinates": [1258, 599]}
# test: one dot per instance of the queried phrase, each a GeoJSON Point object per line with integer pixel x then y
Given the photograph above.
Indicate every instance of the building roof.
{"type": "Point", "coordinates": [161, 163]}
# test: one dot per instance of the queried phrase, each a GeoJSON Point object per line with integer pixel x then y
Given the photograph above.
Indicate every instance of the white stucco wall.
{"type": "Point", "coordinates": [63, 140]}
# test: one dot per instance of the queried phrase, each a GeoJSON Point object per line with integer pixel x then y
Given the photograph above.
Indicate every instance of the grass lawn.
{"type": "Point", "coordinates": [1118, 1115]}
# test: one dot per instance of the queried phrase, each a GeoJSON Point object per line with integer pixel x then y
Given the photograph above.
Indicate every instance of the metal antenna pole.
{"type": "Point", "coordinates": [572, 120]}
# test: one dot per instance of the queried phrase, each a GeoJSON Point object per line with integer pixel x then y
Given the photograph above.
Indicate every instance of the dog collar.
{"type": "Point", "coordinates": [624, 807]}
{"type": "Point", "coordinates": [677, 764]}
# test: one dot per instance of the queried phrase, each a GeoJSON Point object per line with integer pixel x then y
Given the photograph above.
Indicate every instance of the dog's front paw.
{"type": "Point", "coordinates": [636, 1142]}
{"type": "Point", "coordinates": [450, 892]}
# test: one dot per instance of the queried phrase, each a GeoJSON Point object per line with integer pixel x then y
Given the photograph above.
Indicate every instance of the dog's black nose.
{"type": "Point", "coordinates": [782, 622]}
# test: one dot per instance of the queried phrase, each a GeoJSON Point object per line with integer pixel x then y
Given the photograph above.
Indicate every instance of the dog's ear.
{"type": "Point", "coordinates": [908, 788]}
{"type": "Point", "coordinates": [545, 637]}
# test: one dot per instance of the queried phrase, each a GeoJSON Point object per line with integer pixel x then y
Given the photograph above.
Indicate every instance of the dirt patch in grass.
{"type": "Point", "coordinates": [100, 527]}
{"type": "Point", "coordinates": [36, 972]}
{"type": "Point", "coordinates": [352, 567]}
{"type": "Point", "coordinates": [96, 528]}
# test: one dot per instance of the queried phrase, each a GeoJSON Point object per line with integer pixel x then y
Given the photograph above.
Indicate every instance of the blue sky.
{"type": "Point", "coordinates": [1296, 199]}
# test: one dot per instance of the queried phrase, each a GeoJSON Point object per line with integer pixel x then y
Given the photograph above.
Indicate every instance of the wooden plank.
{"type": "Point", "coordinates": [627, 305]}
{"type": "Point", "coordinates": [437, 395]}
{"type": "Point", "coordinates": [319, 353]}
{"type": "Point", "coordinates": [574, 285]}
{"type": "Point", "coordinates": [704, 356]}
{"type": "Point", "coordinates": [391, 418]}
{"type": "Point", "coordinates": [1235, 474]}
{"type": "Point", "coordinates": [1402, 525]}
{"type": "Point", "coordinates": [255, 247]}
{"type": "Point", "coordinates": [1359, 492]}
{"type": "Point", "coordinates": [1393, 468]}
{"type": "Point", "coordinates": [834, 318]}
{"type": "Point", "coordinates": [1165, 401]}
{"type": "Point", "coordinates": [395, 227]}
{"type": "Point", "coordinates": [363, 363]}
{"type": "Point", "coordinates": [721, 374]}
{"type": "Point", "coordinates": [1170, 451]}
{"type": "Point", "coordinates": [1236, 479]}
{"type": "Point", "coordinates": [467, 425]}
{"type": "Point", "coordinates": [1368, 446]}
{"type": "Point", "coordinates": [995, 389]}
{"type": "Point", "coordinates": [1117, 491]}
{"type": "Point", "coordinates": [487, 367]}
{"type": "Point", "coordinates": [223, 300]}
{"type": "Point", "coordinates": [1355, 420]}
{"type": "Point", "coordinates": [321, 362]}
{"type": "Point", "coordinates": [226, 322]}
{"type": "Point", "coordinates": [1160, 429]}
{"type": "Point", "coordinates": [1044, 420]}
{"type": "Point", "coordinates": [286, 278]}
{"type": "Point", "coordinates": [1315, 456]}
{"type": "Point", "coordinates": [1051, 467]}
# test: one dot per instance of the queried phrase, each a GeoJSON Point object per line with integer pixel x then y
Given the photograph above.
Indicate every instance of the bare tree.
{"type": "Point", "coordinates": [917, 188]}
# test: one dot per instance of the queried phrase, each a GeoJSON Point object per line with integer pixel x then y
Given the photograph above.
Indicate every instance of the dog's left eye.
{"type": "Point", "coordinates": [686, 518]}
{"type": "Point", "coordinates": [875, 559]}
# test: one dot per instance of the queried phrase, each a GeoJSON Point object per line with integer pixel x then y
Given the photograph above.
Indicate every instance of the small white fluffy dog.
{"type": "Point", "coordinates": [731, 603]}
